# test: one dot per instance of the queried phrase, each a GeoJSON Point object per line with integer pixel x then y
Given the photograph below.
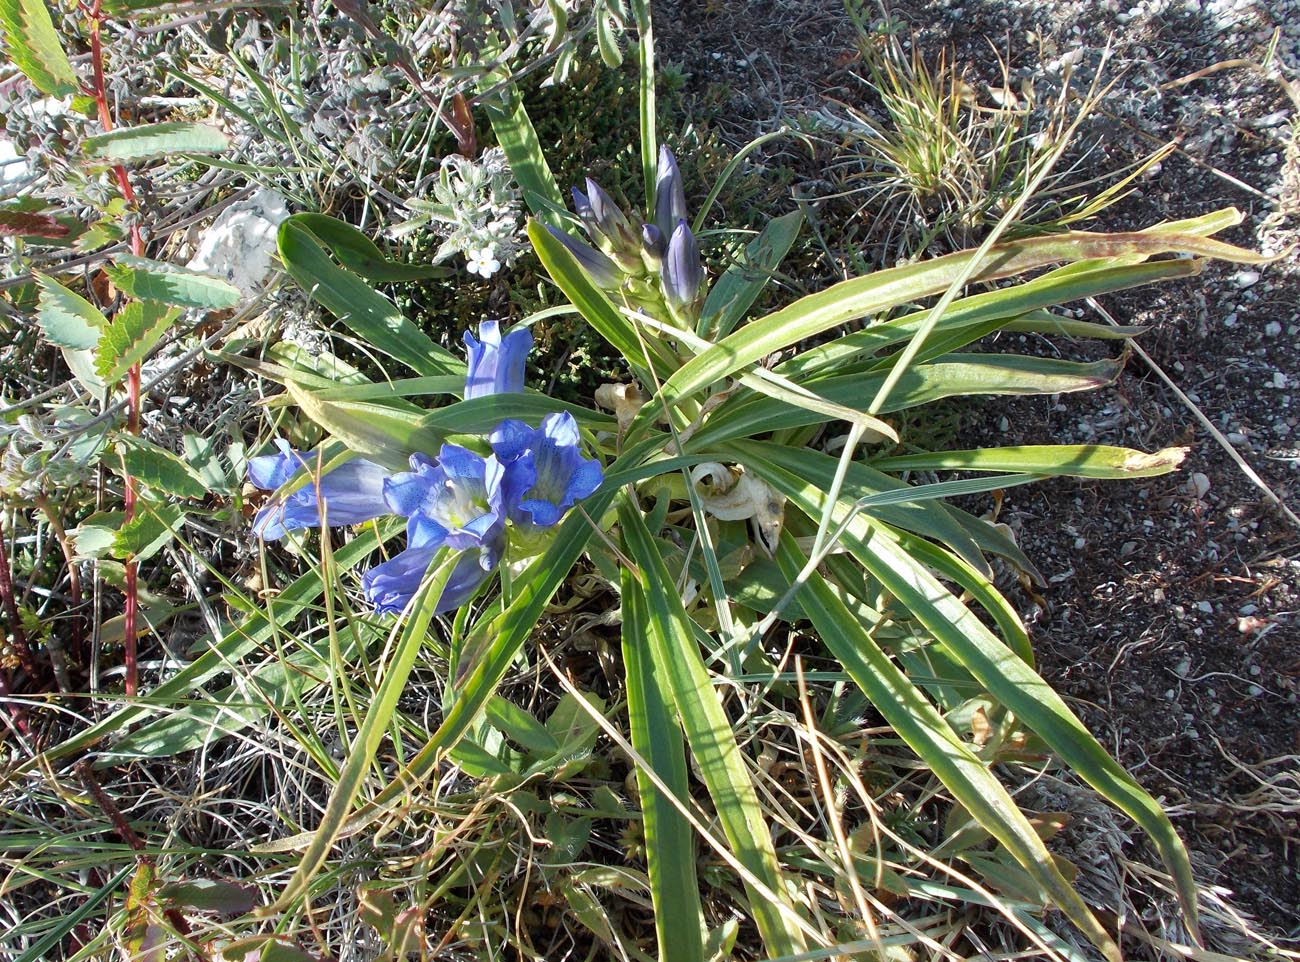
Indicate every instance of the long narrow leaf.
{"type": "Point", "coordinates": [370, 315]}
{"type": "Point", "coordinates": [858, 297]}
{"type": "Point", "coordinates": [708, 733]}
{"type": "Point", "coordinates": [1006, 677]}
{"type": "Point", "coordinates": [669, 842]}
{"type": "Point", "coordinates": [517, 137]}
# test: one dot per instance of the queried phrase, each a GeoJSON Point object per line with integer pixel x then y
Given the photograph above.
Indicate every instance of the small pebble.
{"type": "Point", "coordinates": [1244, 279]}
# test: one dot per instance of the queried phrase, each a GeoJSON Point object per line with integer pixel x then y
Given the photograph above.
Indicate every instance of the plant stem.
{"type": "Point", "coordinates": [100, 93]}
{"type": "Point", "coordinates": [20, 646]}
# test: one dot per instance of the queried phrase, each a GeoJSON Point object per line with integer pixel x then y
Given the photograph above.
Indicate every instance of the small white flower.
{"type": "Point", "coordinates": [483, 261]}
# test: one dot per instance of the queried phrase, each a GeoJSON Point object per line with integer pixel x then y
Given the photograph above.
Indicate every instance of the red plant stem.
{"type": "Point", "coordinates": [5, 691]}
{"type": "Point", "coordinates": [100, 92]}
{"type": "Point", "coordinates": [21, 648]}
{"type": "Point", "coordinates": [126, 833]}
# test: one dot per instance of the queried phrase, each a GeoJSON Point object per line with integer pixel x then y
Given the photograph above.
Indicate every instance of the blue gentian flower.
{"type": "Point", "coordinates": [391, 585]}
{"type": "Point", "coordinates": [670, 196]}
{"type": "Point", "coordinates": [496, 363]}
{"type": "Point", "coordinates": [598, 266]}
{"type": "Point", "coordinates": [455, 501]}
{"type": "Point", "coordinates": [545, 475]}
{"type": "Point", "coordinates": [461, 500]}
{"type": "Point", "coordinates": [681, 273]}
{"type": "Point", "coordinates": [352, 492]}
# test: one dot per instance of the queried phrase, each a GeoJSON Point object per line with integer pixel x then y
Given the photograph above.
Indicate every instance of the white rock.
{"type": "Point", "coordinates": [1199, 485]}
{"type": "Point", "coordinates": [1244, 279]}
{"type": "Point", "coordinates": [241, 241]}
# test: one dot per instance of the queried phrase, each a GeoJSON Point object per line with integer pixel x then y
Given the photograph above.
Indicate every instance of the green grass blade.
{"type": "Point", "coordinates": [646, 82]}
{"type": "Point", "coordinates": [708, 733]}
{"type": "Point", "coordinates": [372, 730]}
{"type": "Point", "coordinates": [669, 841]}
{"type": "Point", "coordinates": [1005, 676]}
{"type": "Point", "coordinates": [289, 603]}
{"type": "Point", "coordinates": [43, 949]}
{"type": "Point", "coordinates": [919, 724]}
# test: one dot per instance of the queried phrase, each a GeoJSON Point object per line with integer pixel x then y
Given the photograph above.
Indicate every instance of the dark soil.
{"type": "Point", "coordinates": [1172, 611]}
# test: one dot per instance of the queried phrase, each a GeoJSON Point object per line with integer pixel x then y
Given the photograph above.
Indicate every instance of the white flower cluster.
{"type": "Point", "coordinates": [476, 206]}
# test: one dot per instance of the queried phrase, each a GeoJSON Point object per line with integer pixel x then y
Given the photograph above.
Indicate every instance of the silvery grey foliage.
{"type": "Point", "coordinates": [475, 206]}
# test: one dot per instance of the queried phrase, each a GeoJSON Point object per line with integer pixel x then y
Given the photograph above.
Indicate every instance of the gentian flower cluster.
{"type": "Point", "coordinates": [659, 262]}
{"type": "Point", "coordinates": [480, 506]}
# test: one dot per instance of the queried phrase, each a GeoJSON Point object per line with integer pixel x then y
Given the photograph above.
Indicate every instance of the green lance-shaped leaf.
{"type": "Point", "coordinates": [150, 141]}
{"type": "Point", "coordinates": [67, 319]}
{"type": "Point", "coordinates": [1005, 676]}
{"type": "Point", "coordinates": [385, 432]}
{"type": "Point", "coordinates": [131, 336]}
{"type": "Point", "coordinates": [669, 841]}
{"type": "Point", "coordinates": [955, 375]}
{"type": "Point", "coordinates": [150, 280]}
{"type": "Point", "coordinates": [359, 254]}
{"type": "Point", "coordinates": [743, 281]}
{"type": "Point", "coordinates": [815, 313]}
{"type": "Point", "coordinates": [159, 469]}
{"type": "Point", "coordinates": [919, 724]}
{"type": "Point", "coordinates": [597, 308]}
{"type": "Point", "coordinates": [685, 680]}
{"type": "Point", "coordinates": [372, 731]}
{"type": "Point", "coordinates": [34, 46]}
{"type": "Point", "coordinates": [369, 315]}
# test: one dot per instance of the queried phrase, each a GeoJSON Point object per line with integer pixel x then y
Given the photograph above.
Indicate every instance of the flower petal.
{"type": "Point", "coordinates": [496, 363]}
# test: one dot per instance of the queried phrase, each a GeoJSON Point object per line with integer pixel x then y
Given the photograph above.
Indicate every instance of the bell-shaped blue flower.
{"type": "Point", "coordinates": [682, 274]}
{"type": "Point", "coordinates": [351, 493]}
{"type": "Point", "coordinates": [598, 266]}
{"type": "Point", "coordinates": [496, 363]}
{"type": "Point", "coordinates": [545, 474]}
{"type": "Point", "coordinates": [670, 196]}
{"type": "Point", "coordinates": [455, 501]}
{"type": "Point", "coordinates": [391, 585]}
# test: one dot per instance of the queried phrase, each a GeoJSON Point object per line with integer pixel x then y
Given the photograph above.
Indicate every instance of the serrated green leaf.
{"type": "Point", "coordinates": [159, 469]}
{"type": "Point", "coordinates": [67, 319]}
{"type": "Point", "coordinates": [150, 280]}
{"type": "Point", "coordinates": [155, 140]}
{"type": "Point", "coordinates": [29, 224]}
{"type": "Point", "coordinates": [145, 534]}
{"type": "Point", "coordinates": [33, 44]}
{"type": "Point", "coordinates": [93, 538]}
{"type": "Point", "coordinates": [131, 336]}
